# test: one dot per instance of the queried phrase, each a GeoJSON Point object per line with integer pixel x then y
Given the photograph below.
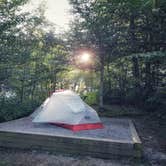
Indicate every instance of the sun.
{"type": "Point", "coordinates": [85, 57]}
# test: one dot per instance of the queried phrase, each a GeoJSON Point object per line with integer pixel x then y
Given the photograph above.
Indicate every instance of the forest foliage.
{"type": "Point", "coordinates": [128, 42]}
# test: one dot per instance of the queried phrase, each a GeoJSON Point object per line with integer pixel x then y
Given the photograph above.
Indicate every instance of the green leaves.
{"type": "Point", "coordinates": [151, 56]}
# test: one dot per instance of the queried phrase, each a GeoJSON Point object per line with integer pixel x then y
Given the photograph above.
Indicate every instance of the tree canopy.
{"type": "Point", "coordinates": [126, 40]}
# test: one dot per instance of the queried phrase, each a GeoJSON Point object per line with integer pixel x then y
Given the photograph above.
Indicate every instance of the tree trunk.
{"type": "Point", "coordinates": [136, 75]}
{"type": "Point", "coordinates": [157, 74]}
{"type": "Point", "coordinates": [33, 90]}
{"type": "Point", "coordinates": [22, 91]}
{"type": "Point", "coordinates": [148, 83]}
{"type": "Point", "coordinates": [132, 32]}
{"type": "Point", "coordinates": [22, 86]}
{"type": "Point", "coordinates": [108, 76]}
{"type": "Point", "coordinates": [54, 83]}
{"type": "Point", "coordinates": [101, 84]}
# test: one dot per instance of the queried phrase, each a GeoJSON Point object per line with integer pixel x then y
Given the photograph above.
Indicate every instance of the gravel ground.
{"type": "Point", "coordinates": [10, 157]}
{"type": "Point", "coordinates": [115, 129]}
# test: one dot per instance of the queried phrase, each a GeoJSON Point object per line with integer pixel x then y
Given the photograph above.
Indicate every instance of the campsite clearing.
{"type": "Point", "coordinates": [118, 137]}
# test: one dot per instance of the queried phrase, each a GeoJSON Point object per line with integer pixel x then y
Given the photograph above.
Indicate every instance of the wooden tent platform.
{"type": "Point", "coordinates": [118, 137]}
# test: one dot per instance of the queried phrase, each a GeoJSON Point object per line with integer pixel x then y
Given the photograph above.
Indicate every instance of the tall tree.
{"type": "Point", "coordinates": [120, 28]}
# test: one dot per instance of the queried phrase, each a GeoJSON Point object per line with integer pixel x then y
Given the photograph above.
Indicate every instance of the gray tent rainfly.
{"type": "Point", "coordinates": [66, 109]}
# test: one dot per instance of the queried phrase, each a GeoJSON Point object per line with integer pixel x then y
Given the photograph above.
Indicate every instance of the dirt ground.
{"type": "Point", "coordinates": [151, 132]}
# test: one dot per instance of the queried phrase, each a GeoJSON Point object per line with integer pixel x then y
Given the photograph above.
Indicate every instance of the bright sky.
{"type": "Point", "coordinates": [57, 11]}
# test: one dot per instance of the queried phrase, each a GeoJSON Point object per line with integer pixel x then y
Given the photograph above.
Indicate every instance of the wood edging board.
{"type": "Point", "coordinates": [68, 145]}
{"type": "Point", "coordinates": [136, 140]}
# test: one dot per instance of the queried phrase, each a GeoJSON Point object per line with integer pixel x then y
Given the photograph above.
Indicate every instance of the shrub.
{"type": "Point", "coordinates": [157, 101]}
{"type": "Point", "coordinates": [11, 108]}
{"type": "Point", "coordinates": [90, 98]}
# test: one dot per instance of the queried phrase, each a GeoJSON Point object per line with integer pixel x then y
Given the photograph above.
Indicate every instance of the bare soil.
{"type": "Point", "coordinates": [152, 131]}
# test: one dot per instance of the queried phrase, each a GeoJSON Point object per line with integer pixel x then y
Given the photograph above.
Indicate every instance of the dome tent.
{"type": "Point", "coordinates": [66, 109]}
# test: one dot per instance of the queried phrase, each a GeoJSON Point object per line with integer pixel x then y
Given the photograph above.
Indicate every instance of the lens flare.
{"type": "Point", "coordinates": [85, 57]}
